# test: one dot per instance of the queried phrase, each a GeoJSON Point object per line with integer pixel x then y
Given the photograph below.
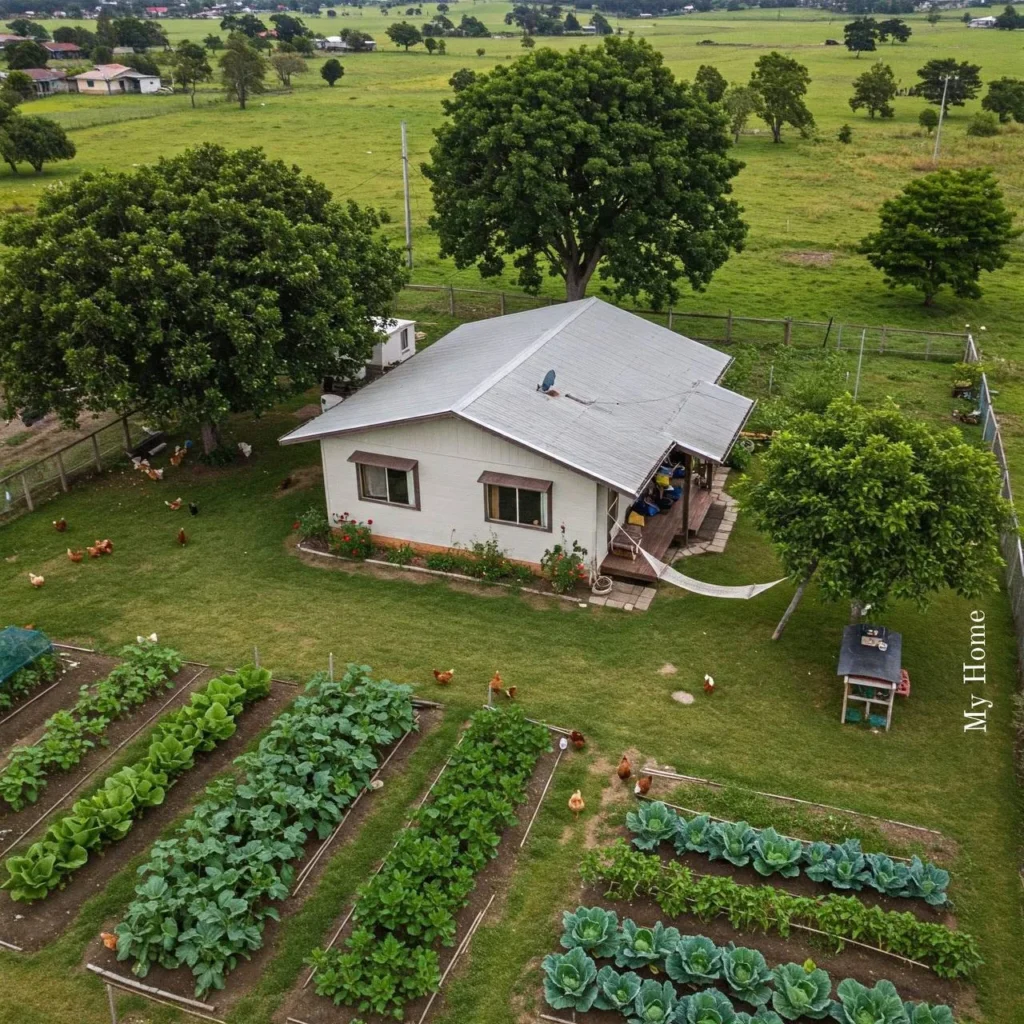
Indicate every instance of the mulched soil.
{"type": "Point", "coordinates": [240, 981]}
{"type": "Point", "coordinates": [303, 1004]}
{"type": "Point", "coordinates": [32, 926]}
{"type": "Point", "coordinates": [61, 786]}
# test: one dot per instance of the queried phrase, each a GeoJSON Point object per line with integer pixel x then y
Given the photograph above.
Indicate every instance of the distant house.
{"type": "Point", "coordinates": [45, 81]}
{"type": "Point", "coordinates": [335, 44]}
{"type": "Point", "coordinates": [6, 39]}
{"type": "Point", "coordinates": [989, 21]}
{"type": "Point", "coordinates": [63, 51]}
{"type": "Point", "coordinates": [113, 80]}
{"type": "Point", "coordinates": [156, 12]}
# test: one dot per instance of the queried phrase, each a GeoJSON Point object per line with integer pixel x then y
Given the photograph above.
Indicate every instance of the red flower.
{"type": "Point", "coordinates": [345, 537]}
{"type": "Point", "coordinates": [369, 522]}
{"type": "Point", "coordinates": [296, 525]}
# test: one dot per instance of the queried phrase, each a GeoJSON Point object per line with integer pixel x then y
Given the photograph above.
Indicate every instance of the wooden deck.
{"type": "Point", "coordinates": [657, 537]}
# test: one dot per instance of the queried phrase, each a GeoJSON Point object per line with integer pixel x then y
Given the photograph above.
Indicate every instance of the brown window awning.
{"type": "Point", "coordinates": [526, 483]}
{"type": "Point", "coordinates": [387, 461]}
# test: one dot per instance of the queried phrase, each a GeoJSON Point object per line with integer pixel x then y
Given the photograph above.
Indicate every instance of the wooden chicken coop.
{"type": "Point", "coordinates": [872, 673]}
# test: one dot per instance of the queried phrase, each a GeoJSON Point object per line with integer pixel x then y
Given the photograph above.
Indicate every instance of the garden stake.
{"type": "Point", "coordinates": [21, 707]}
{"type": "Point", "coordinates": [137, 988]}
{"type": "Point", "coordinates": [330, 666]}
{"type": "Point", "coordinates": [11, 946]}
{"type": "Point", "coordinates": [451, 963]}
{"type": "Point", "coordinates": [111, 1003]}
{"type": "Point", "coordinates": [540, 802]}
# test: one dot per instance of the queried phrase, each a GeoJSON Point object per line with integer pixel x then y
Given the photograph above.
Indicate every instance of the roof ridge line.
{"type": "Point", "coordinates": [506, 368]}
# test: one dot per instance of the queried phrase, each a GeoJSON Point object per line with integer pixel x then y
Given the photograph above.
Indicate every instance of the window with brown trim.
{"type": "Point", "coordinates": [387, 479]}
{"type": "Point", "coordinates": [517, 501]}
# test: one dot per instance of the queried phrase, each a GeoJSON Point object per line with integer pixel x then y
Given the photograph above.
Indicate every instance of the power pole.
{"type": "Point", "coordinates": [942, 112]}
{"type": "Point", "coordinates": [408, 206]}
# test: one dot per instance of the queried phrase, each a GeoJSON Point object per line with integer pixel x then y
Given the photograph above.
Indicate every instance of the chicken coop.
{"type": "Point", "coordinates": [870, 664]}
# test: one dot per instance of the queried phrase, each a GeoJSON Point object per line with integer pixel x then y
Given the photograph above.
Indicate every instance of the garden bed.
{"type": "Point", "coordinates": [238, 982]}
{"type": "Point", "coordinates": [33, 925]}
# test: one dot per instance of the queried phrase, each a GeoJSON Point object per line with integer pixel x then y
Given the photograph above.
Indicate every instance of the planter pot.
{"type": "Point", "coordinates": [602, 586]}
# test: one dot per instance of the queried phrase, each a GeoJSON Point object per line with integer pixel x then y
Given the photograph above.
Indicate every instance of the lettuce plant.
{"type": "Point", "coordinates": [923, 1013]}
{"type": "Point", "coordinates": [887, 876]}
{"type": "Point", "coordinates": [696, 960]}
{"type": "Point", "coordinates": [616, 991]}
{"type": "Point", "coordinates": [652, 824]}
{"type": "Point", "coordinates": [32, 878]}
{"type": "Point", "coordinates": [570, 980]}
{"type": "Point", "coordinates": [774, 854]}
{"type": "Point", "coordinates": [747, 974]}
{"type": "Point", "coordinates": [861, 1005]}
{"type": "Point", "coordinates": [843, 868]}
{"type": "Point", "coordinates": [641, 947]}
{"type": "Point", "coordinates": [655, 1003]}
{"type": "Point", "coordinates": [927, 882]}
{"type": "Point", "coordinates": [801, 993]}
{"type": "Point", "coordinates": [693, 835]}
{"type": "Point", "coordinates": [592, 929]}
{"type": "Point", "coordinates": [707, 1007]}
{"type": "Point", "coordinates": [733, 841]}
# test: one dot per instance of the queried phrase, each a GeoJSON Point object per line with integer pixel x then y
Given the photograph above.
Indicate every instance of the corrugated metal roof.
{"type": "Point", "coordinates": [628, 390]}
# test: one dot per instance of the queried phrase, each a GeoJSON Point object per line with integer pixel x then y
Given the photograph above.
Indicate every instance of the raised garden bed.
{"type": "Point", "coordinates": [27, 680]}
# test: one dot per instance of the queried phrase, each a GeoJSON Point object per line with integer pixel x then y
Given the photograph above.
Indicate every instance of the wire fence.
{"type": "Point", "coordinates": [37, 482]}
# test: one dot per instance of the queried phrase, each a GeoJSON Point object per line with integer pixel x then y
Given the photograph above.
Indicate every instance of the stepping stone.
{"type": "Point", "coordinates": [668, 669]}
{"type": "Point", "coordinates": [683, 697]}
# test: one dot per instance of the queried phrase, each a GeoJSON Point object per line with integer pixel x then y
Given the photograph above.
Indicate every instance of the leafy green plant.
{"type": "Point", "coordinates": [592, 929]}
{"type": "Point", "coordinates": [652, 824]}
{"type": "Point", "coordinates": [707, 1007]}
{"type": "Point", "coordinates": [616, 991]}
{"type": "Point", "coordinates": [923, 1013]}
{"type": "Point", "coordinates": [774, 854]}
{"type": "Point", "coordinates": [351, 537]}
{"type": "Point", "coordinates": [313, 524]}
{"type": "Point", "coordinates": [641, 947]}
{"type": "Point", "coordinates": [44, 669]}
{"type": "Point", "coordinates": [887, 876]}
{"type": "Point", "coordinates": [746, 973]}
{"type": "Point", "coordinates": [733, 841]}
{"type": "Point", "coordinates": [570, 980]}
{"type": "Point", "coordinates": [654, 1004]}
{"type": "Point", "coordinates": [858, 1004]}
{"type": "Point", "coordinates": [564, 565]}
{"type": "Point", "coordinates": [801, 993]}
{"type": "Point", "coordinates": [693, 835]}
{"type": "Point", "coordinates": [815, 855]}
{"type": "Point", "coordinates": [927, 882]}
{"type": "Point", "coordinates": [696, 960]}
{"type": "Point", "coordinates": [762, 1016]}
{"type": "Point", "coordinates": [401, 555]}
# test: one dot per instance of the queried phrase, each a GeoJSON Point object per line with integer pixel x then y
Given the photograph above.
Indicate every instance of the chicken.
{"type": "Point", "coordinates": [643, 784]}
{"type": "Point", "coordinates": [496, 684]}
{"type": "Point", "coordinates": [36, 581]}
{"type": "Point", "coordinates": [709, 684]}
{"type": "Point", "coordinates": [93, 552]}
{"type": "Point", "coordinates": [173, 505]}
{"type": "Point", "coordinates": [444, 678]}
{"type": "Point", "coordinates": [624, 770]}
{"type": "Point", "coordinates": [60, 525]}
{"type": "Point", "coordinates": [576, 803]}
{"type": "Point", "coordinates": [155, 474]}
{"type": "Point", "coordinates": [511, 692]}
{"type": "Point", "coordinates": [179, 454]}
{"type": "Point", "coordinates": [579, 741]}
{"type": "Point", "coordinates": [109, 940]}
{"type": "Point", "coordinates": [74, 556]}
{"type": "Point", "coordinates": [182, 537]}
{"type": "Point", "coordinates": [106, 546]}
{"type": "Point", "coordinates": [193, 508]}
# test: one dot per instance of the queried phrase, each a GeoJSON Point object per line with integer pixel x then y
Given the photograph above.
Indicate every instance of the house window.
{"type": "Point", "coordinates": [387, 479]}
{"type": "Point", "coordinates": [405, 339]}
{"type": "Point", "coordinates": [517, 500]}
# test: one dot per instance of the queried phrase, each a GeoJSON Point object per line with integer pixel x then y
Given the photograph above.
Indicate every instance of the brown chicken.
{"type": "Point", "coordinates": [60, 525]}
{"type": "Point", "coordinates": [579, 741]}
{"type": "Point", "coordinates": [173, 505]}
{"type": "Point", "coordinates": [74, 556]}
{"type": "Point", "coordinates": [182, 537]}
{"type": "Point", "coordinates": [109, 940]}
{"type": "Point", "coordinates": [625, 769]}
{"type": "Point", "coordinates": [576, 803]}
{"type": "Point", "coordinates": [155, 474]}
{"type": "Point", "coordinates": [511, 692]}
{"type": "Point", "coordinates": [643, 784]}
{"type": "Point", "coordinates": [496, 683]}
{"type": "Point", "coordinates": [444, 678]}
{"type": "Point", "coordinates": [709, 684]}
{"type": "Point", "coordinates": [106, 546]}
{"type": "Point", "coordinates": [93, 552]}
{"type": "Point", "coordinates": [36, 581]}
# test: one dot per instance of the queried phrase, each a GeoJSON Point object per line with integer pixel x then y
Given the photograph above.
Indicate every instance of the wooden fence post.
{"type": "Point", "coordinates": [787, 331]}
{"type": "Point", "coordinates": [728, 326]}
{"type": "Point", "coordinates": [670, 319]}
{"type": "Point", "coordinates": [60, 471]}
{"type": "Point", "coordinates": [451, 301]}
{"type": "Point", "coordinates": [127, 434]}
{"type": "Point", "coordinates": [502, 296]}
{"type": "Point", "coordinates": [28, 492]}
{"type": "Point", "coordinates": [96, 453]}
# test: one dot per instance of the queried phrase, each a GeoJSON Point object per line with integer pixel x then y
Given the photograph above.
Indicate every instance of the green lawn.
{"type": "Point", "coordinates": [773, 724]}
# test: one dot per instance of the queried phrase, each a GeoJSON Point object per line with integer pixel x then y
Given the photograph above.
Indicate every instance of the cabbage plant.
{"type": "Point", "coordinates": [801, 993]}
{"type": "Point", "coordinates": [707, 1007]}
{"type": "Point", "coordinates": [733, 841]}
{"type": "Point", "coordinates": [655, 1003]}
{"type": "Point", "coordinates": [774, 854]}
{"type": "Point", "coordinates": [616, 991]}
{"type": "Point", "coordinates": [652, 824]}
{"type": "Point", "coordinates": [923, 1013]}
{"type": "Point", "coordinates": [696, 960]}
{"type": "Point", "coordinates": [747, 974]}
{"type": "Point", "coordinates": [592, 929]}
{"type": "Point", "coordinates": [763, 1016]}
{"type": "Point", "coordinates": [859, 1004]}
{"type": "Point", "coordinates": [570, 980]}
{"type": "Point", "coordinates": [927, 882]}
{"type": "Point", "coordinates": [814, 857]}
{"type": "Point", "coordinates": [693, 835]}
{"type": "Point", "coordinates": [843, 868]}
{"type": "Point", "coordinates": [640, 947]}
{"type": "Point", "coordinates": [888, 876]}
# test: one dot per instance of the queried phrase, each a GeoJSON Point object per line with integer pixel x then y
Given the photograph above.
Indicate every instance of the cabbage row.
{"type": "Point", "coordinates": [43, 669]}
{"type": "Point", "coordinates": [572, 980]}
{"type": "Point", "coordinates": [409, 907]}
{"type": "Point", "coordinates": [69, 735]}
{"type": "Point", "coordinates": [108, 815]}
{"type": "Point", "coordinates": [206, 893]}
{"type": "Point", "coordinates": [841, 865]}
{"type": "Point", "coordinates": [628, 874]}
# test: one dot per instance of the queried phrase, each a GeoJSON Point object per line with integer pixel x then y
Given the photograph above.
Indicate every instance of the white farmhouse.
{"type": "Point", "coordinates": [988, 21]}
{"type": "Point", "coordinates": [113, 80]}
{"type": "Point", "coordinates": [472, 438]}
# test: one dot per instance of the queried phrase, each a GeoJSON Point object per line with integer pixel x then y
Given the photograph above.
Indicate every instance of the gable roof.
{"type": "Point", "coordinates": [62, 47]}
{"type": "Point", "coordinates": [109, 72]}
{"type": "Point", "coordinates": [628, 391]}
{"type": "Point", "coordinates": [44, 74]}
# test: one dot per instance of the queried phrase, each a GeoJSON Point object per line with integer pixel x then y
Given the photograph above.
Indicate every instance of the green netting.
{"type": "Point", "coordinates": [19, 647]}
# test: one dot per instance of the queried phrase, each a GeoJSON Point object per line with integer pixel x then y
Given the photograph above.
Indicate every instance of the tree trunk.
{"type": "Point", "coordinates": [211, 437]}
{"type": "Point", "coordinates": [776, 131]}
{"type": "Point", "coordinates": [241, 97]}
{"type": "Point", "coordinates": [856, 611]}
{"type": "Point", "coordinates": [193, 95]}
{"type": "Point", "coordinates": [578, 278]}
{"type": "Point", "coordinates": [792, 604]}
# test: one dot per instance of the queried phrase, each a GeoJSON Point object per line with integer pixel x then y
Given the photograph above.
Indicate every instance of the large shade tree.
{"type": "Point", "coordinates": [875, 506]}
{"type": "Point", "coordinates": [589, 158]}
{"type": "Point", "coordinates": [209, 283]}
{"type": "Point", "coordinates": [781, 82]}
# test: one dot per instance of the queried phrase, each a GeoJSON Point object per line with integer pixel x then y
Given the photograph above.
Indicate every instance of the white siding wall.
{"type": "Point", "coordinates": [389, 352]}
{"type": "Point", "coordinates": [452, 454]}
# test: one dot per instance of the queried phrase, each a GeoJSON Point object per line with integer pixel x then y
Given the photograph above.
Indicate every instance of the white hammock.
{"type": "Point", "coordinates": [669, 575]}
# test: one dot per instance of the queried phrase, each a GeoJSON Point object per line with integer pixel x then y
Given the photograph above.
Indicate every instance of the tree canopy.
{"type": "Point", "coordinates": [242, 69]}
{"type": "Point", "coordinates": [592, 157]}
{"type": "Point", "coordinates": [942, 229]}
{"type": "Point", "coordinates": [860, 35]}
{"type": "Point", "coordinates": [27, 55]}
{"type": "Point", "coordinates": [781, 82]}
{"type": "Point", "coordinates": [1008, 20]}
{"type": "Point", "coordinates": [1005, 98]}
{"type": "Point", "coordinates": [895, 30]}
{"type": "Point", "coordinates": [209, 283]}
{"type": "Point", "coordinates": [878, 507]}
{"type": "Point", "coordinates": [964, 81]}
{"type": "Point", "coordinates": [288, 27]}
{"type": "Point", "coordinates": [287, 64]}
{"type": "Point", "coordinates": [28, 29]}
{"type": "Point", "coordinates": [741, 102]}
{"type": "Point", "coordinates": [875, 91]}
{"type": "Point", "coordinates": [191, 67]}
{"type": "Point", "coordinates": [401, 33]}
{"type": "Point", "coordinates": [331, 71]}
{"type": "Point", "coordinates": [711, 82]}
{"type": "Point", "coordinates": [35, 141]}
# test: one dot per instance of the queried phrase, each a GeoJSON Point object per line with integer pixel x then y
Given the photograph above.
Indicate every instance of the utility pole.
{"type": "Point", "coordinates": [408, 207]}
{"type": "Point", "coordinates": [942, 112]}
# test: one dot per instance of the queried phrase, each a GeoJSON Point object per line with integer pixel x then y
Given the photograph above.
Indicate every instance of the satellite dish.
{"type": "Point", "coordinates": [549, 381]}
